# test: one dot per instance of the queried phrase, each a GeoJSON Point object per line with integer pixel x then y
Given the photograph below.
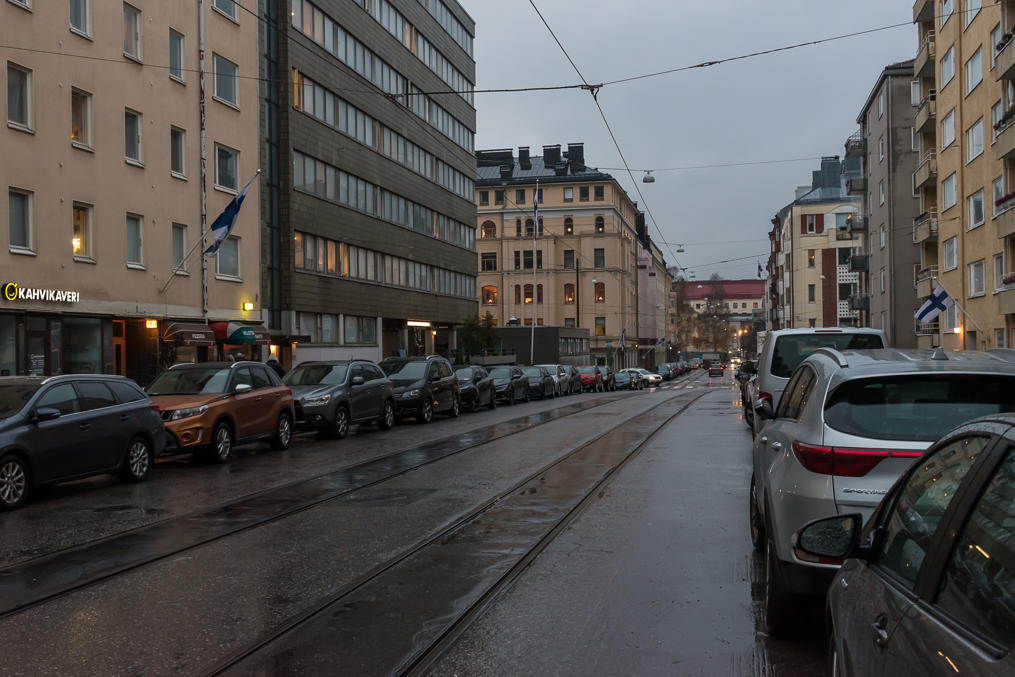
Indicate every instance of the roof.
{"type": "Point", "coordinates": [551, 166]}
{"type": "Point", "coordinates": [897, 69]}
{"type": "Point", "coordinates": [731, 289]}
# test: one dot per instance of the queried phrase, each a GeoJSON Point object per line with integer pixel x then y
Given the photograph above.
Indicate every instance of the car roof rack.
{"type": "Point", "coordinates": [836, 355]}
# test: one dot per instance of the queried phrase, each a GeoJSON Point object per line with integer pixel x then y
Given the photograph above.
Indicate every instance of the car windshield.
{"type": "Point", "coordinates": [532, 371]}
{"type": "Point", "coordinates": [464, 374]}
{"type": "Point", "coordinates": [404, 371]}
{"type": "Point", "coordinates": [500, 372]}
{"type": "Point", "coordinates": [587, 370]}
{"type": "Point", "coordinates": [191, 381]}
{"type": "Point", "coordinates": [316, 374]}
{"type": "Point", "coordinates": [791, 350]}
{"type": "Point", "coordinates": [14, 397]}
{"type": "Point", "coordinates": [916, 407]}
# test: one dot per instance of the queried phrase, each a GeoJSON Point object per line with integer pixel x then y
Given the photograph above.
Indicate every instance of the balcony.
{"type": "Point", "coordinates": [1005, 220]}
{"type": "Point", "coordinates": [926, 114]}
{"type": "Point", "coordinates": [1006, 302]}
{"type": "Point", "coordinates": [856, 186]}
{"type": "Point", "coordinates": [1004, 66]}
{"type": "Point", "coordinates": [859, 263]}
{"type": "Point", "coordinates": [859, 302]}
{"type": "Point", "coordinates": [925, 282]}
{"type": "Point", "coordinates": [926, 173]}
{"type": "Point", "coordinates": [1004, 145]}
{"type": "Point", "coordinates": [856, 145]}
{"type": "Point", "coordinates": [928, 329]}
{"type": "Point", "coordinates": [923, 11]}
{"type": "Point", "coordinates": [923, 65]}
{"type": "Point", "coordinates": [925, 227]}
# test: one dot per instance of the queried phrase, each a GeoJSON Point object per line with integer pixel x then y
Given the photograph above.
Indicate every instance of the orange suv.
{"type": "Point", "coordinates": [213, 406]}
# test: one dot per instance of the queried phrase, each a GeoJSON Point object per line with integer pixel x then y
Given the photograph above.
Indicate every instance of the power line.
{"type": "Point", "coordinates": [723, 164]}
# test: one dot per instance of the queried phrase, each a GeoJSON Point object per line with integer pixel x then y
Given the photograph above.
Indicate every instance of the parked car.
{"type": "Point", "coordinates": [475, 387]}
{"type": "Point", "coordinates": [650, 380]}
{"type": "Point", "coordinates": [330, 396]}
{"type": "Point", "coordinates": [592, 379]}
{"type": "Point", "coordinates": [213, 406]}
{"type": "Point", "coordinates": [928, 585]}
{"type": "Point", "coordinates": [510, 384]}
{"type": "Point", "coordinates": [561, 380]}
{"type": "Point", "coordinates": [665, 371]}
{"type": "Point", "coordinates": [541, 383]}
{"type": "Point", "coordinates": [67, 427]}
{"type": "Point", "coordinates": [574, 378]}
{"type": "Point", "coordinates": [423, 386]}
{"type": "Point", "coordinates": [625, 380]}
{"type": "Point", "coordinates": [607, 372]}
{"type": "Point", "coordinates": [849, 424]}
{"type": "Point", "coordinates": [695, 363]}
{"type": "Point", "coordinates": [785, 349]}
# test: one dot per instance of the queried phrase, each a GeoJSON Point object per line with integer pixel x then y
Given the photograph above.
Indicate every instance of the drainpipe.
{"type": "Point", "coordinates": [204, 159]}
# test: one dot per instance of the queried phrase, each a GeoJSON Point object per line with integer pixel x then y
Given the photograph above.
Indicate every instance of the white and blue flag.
{"type": "Point", "coordinates": [938, 302]}
{"type": "Point", "coordinates": [223, 225]}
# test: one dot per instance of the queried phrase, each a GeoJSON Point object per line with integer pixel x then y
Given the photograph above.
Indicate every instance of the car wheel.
{"type": "Point", "coordinates": [387, 419]}
{"type": "Point", "coordinates": [222, 442]}
{"type": "Point", "coordinates": [14, 484]}
{"type": "Point", "coordinates": [754, 517]}
{"type": "Point", "coordinates": [138, 460]}
{"type": "Point", "coordinates": [283, 432]}
{"type": "Point", "coordinates": [426, 412]}
{"type": "Point", "coordinates": [456, 406]}
{"type": "Point", "coordinates": [778, 603]}
{"type": "Point", "coordinates": [340, 426]}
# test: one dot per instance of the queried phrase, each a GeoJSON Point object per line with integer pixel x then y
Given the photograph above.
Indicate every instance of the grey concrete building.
{"type": "Point", "coordinates": [890, 150]}
{"type": "Point", "coordinates": [367, 209]}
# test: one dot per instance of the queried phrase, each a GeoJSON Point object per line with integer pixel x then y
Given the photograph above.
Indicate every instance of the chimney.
{"type": "Point", "coordinates": [576, 156]}
{"type": "Point", "coordinates": [507, 170]}
{"type": "Point", "coordinates": [523, 158]}
{"type": "Point", "coordinates": [551, 155]}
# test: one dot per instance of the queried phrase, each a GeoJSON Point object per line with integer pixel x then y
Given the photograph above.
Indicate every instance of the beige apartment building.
{"type": "Point", "coordinates": [102, 176]}
{"type": "Point", "coordinates": [576, 266]}
{"type": "Point", "coordinates": [964, 68]}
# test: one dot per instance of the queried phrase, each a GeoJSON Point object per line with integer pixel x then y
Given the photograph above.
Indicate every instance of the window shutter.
{"type": "Point", "coordinates": [803, 224]}
{"type": "Point", "coordinates": [819, 223]}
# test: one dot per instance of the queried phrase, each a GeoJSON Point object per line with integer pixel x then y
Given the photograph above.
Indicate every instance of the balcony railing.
{"type": "Point", "coordinates": [856, 186]}
{"type": "Point", "coordinates": [927, 329]}
{"type": "Point", "coordinates": [923, 65]}
{"type": "Point", "coordinates": [1006, 302]}
{"type": "Point", "coordinates": [859, 302]}
{"type": "Point", "coordinates": [1004, 144]}
{"type": "Point", "coordinates": [1004, 217]}
{"type": "Point", "coordinates": [926, 172]}
{"type": "Point", "coordinates": [859, 263]}
{"type": "Point", "coordinates": [925, 227]}
{"type": "Point", "coordinates": [1004, 62]}
{"type": "Point", "coordinates": [856, 145]}
{"type": "Point", "coordinates": [927, 112]}
{"type": "Point", "coordinates": [925, 282]}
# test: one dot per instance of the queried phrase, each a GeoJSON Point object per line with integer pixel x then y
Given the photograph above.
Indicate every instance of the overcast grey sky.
{"type": "Point", "coordinates": [794, 104]}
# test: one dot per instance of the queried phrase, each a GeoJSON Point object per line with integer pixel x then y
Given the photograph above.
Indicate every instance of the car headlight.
{"type": "Point", "coordinates": [409, 394]}
{"type": "Point", "coordinates": [316, 401]}
{"type": "Point", "coordinates": [187, 413]}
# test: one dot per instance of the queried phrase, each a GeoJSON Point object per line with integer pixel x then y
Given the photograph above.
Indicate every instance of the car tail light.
{"type": "Point", "coordinates": [845, 461]}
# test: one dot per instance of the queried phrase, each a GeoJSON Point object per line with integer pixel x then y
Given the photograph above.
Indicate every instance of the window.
{"type": "Point", "coordinates": [995, 40]}
{"type": "Point", "coordinates": [569, 194]}
{"type": "Point", "coordinates": [1000, 340]}
{"type": "Point", "coordinates": [176, 151]}
{"type": "Point", "coordinates": [568, 226]}
{"type": "Point", "coordinates": [599, 257]}
{"type": "Point", "coordinates": [227, 7]}
{"type": "Point", "coordinates": [569, 293]}
{"type": "Point", "coordinates": [1000, 272]}
{"type": "Point", "coordinates": [539, 293]}
{"type": "Point", "coordinates": [568, 259]}
{"type": "Point", "coordinates": [520, 196]}
{"type": "Point", "coordinates": [134, 235]}
{"type": "Point", "coordinates": [948, 189]}
{"type": "Point", "coordinates": [974, 140]}
{"type": "Point", "coordinates": [949, 254]}
{"type": "Point", "coordinates": [881, 105]}
{"type": "Point", "coordinates": [82, 239]}
{"type": "Point", "coordinates": [914, 138]}
{"type": "Point", "coordinates": [227, 261]}
{"type": "Point", "coordinates": [19, 96]}
{"type": "Point", "coordinates": [599, 193]}
{"type": "Point", "coordinates": [539, 259]}
{"type": "Point", "coordinates": [600, 225]}
{"type": "Point", "coordinates": [518, 293]}
{"type": "Point", "coordinates": [600, 326]}
{"type": "Point", "coordinates": [528, 294]}
{"type": "Point", "coordinates": [951, 315]}
{"type": "Point", "coordinates": [947, 7]}
{"type": "Point", "coordinates": [131, 31]}
{"type": "Point", "coordinates": [488, 261]}
{"type": "Point", "coordinates": [975, 202]}
{"type": "Point", "coordinates": [883, 287]}
{"type": "Point", "coordinates": [796, 394]}
{"type": "Point", "coordinates": [225, 79]}
{"type": "Point", "coordinates": [132, 136]}
{"type": "Point", "coordinates": [489, 295]}
{"type": "Point", "coordinates": [540, 226]}
{"type": "Point", "coordinates": [175, 55]}
{"type": "Point", "coordinates": [948, 66]}
{"type": "Point", "coordinates": [996, 113]}
{"type": "Point", "coordinates": [948, 129]}
{"type": "Point", "coordinates": [810, 258]}
{"type": "Point", "coordinates": [518, 260]}
{"type": "Point", "coordinates": [998, 186]}
{"type": "Point", "coordinates": [971, 9]}
{"type": "Point", "coordinates": [63, 398]}
{"type": "Point", "coordinates": [518, 227]}
{"type": "Point", "coordinates": [537, 196]}
{"type": "Point", "coordinates": [498, 197]}
{"type": "Point", "coordinates": [583, 194]}
{"type": "Point", "coordinates": [179, 246]}
{"type": "Point", "coordinates": [488, 230]}
{"type": "Point", "coordinates": [599, 293]}
{"type": "Point", "coordinates": [977, 282]}
{"type": "Point", "coordinates": [80, 118]}
{"type": "Point", "coordinates": [361, 330]}
{"type": "Point", "coordinates": [484, 198]}
{"type": "Point", "coordinates": [527, 259]}
{"type": "Point", "coordinates": [811, 293]}
{"type": "Point", "coordinates": [810, 223]}
{"type": "Point", "coordinates": [881, 149]}
{"type": "Point", "coordinates": [914, 93]}
{"type": "Point", "coordinates": [80, 18]}
{"type": "Point", "coordinates": [974, 70]}
{"type": "Point", "coordinates": [881, 191]}
{"type": "Point", "coordinates": [20, 212]}
{"type": "Point", "coordinates": [226, 160]}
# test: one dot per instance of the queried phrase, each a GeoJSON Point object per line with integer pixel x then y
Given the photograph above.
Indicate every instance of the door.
{"type": "Point", "coordinates": [111, 426]}
{"type": "Point", "coordinates": [246, 406]}
{"type": "Point", "coordinates": [359, 395]}
{"type": "Point", "coordinates": [268, 398]}
{"type": "Point", "coordinates": [433, 379]}
{"type": "Point", "coordinates": [37, 347]}
{"type": "Point", "coordinates": [449, 383]}
{"type": "Point", "coordinates": [59, 443]}
{"type": "Point", "coordinates": [378, 392]}
{"type": "Point", "coordinates": [119, 348]}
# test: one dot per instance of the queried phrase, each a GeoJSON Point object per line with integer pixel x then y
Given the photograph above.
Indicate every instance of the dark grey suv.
{"type": "Point", "coordinates": [423, 386]}
{"type": "Point", "coordinates": [330, 396]}
{"type": "Point", "coordinates": [67, 427]}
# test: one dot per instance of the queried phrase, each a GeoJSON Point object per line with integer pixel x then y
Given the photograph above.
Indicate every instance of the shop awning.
{"type": "Point", "coordinates": [235, 333]}
{"type": "Point", "coordinates": [188, 334]}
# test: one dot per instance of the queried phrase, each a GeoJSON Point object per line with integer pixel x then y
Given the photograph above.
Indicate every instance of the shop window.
{"type": "Point", "coordinates": [489, 295]}
{"type": "Point", "coordinates": [82, 345]}
{"type": "Point", "coordinates": [361, 330]}
{"type": "Point", "coordinates": [7, 347]}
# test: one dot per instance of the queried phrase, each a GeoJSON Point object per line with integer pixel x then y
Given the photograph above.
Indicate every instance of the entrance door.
{"type": "Point", "coordinates": [119, 348]}
{"type": "Point", "coordinates": [37, 347]}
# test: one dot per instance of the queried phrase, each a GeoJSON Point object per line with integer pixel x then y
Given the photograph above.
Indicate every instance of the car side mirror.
{"type": "Point", "coordinates": [45, 414]}
{"type": "Point", "coordinates": [831, 538]}
{"type": "Point", "coordinates": [435, 378]}
{"type": "Point", "coordinates": [358, 380]}
{"type": "Point", "coordinates": [764, 410]}
{"type": "Point", "coordinates": [242, 388]}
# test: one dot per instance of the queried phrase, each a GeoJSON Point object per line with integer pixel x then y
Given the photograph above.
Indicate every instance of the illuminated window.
{"type": "Point", "coordinates": [568, 293]}
{"type": "Point", "coordinates": [600, 292]}
{"type": "Point", "coordinates": [82, 240]}
{"type": "Point", "coordinates": [568, 226]}
{"type": "Point", "coordinates": [600, 225]}
{"type": "Point", "coordinates": [489, 295]}
{"type": "Point", "coordinates": [600, 326]}
{"type": "Point", "coordinates": [528, 293]}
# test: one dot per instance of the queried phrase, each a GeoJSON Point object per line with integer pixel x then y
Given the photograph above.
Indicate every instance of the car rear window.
{"type": "Point", "coordinates": [13, 398]}
{"type": "Point", "coordinates": [917, 407]}
{"type": "Point", "coordinates": [791, 350]}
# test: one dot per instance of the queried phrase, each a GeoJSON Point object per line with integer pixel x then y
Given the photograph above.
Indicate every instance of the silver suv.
{"type": "Point", "coordinates": [785, 349]}
{"type": "Point", "coordinates": [848, 425]}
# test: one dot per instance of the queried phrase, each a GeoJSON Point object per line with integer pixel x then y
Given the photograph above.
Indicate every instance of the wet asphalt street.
{"type": "Point", "coordinates": [592, 534]}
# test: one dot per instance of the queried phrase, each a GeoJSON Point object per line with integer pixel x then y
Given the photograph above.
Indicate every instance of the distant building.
{"type": "Point", "coordinates": [654, 282]}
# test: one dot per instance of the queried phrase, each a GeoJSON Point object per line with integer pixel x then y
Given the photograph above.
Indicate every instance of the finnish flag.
{"type": "Point", "coordinates": [938, 302]}
{"type": "Point", "coordinates": [223, 225]}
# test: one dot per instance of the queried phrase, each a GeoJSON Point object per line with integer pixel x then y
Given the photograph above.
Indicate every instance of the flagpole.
{"type": "Point", "coordinates": [959, 306]}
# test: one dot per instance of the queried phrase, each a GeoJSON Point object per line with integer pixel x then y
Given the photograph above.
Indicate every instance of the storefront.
{"type": "Point", "coordinates": [239, 341]}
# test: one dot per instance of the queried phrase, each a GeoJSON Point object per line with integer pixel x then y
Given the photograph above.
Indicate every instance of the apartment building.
{"type": "Point", "coordinates": [817, 248]}
{"type": "Point", "coordinates": [108, 119]}
{"type": "Point", "coordinates": [724, 311]}
{"type": "Point", "coordinates": [576, 266]}
{"type": "Point", "coordinates": [964, 67]}
{"type": "Point", "coordinates": [892, 225]}
{"type": "Point", "coordinates": [654, 282]}
{"type": "Point", "coordinates": [368, 212]}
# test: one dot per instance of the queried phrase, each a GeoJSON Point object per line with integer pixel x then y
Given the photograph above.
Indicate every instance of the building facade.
{"type": "Point", "coordinates": [892, 224]}
{"type": "Point", "coordinates": [576, 266]}
{"type": "Point", "coordinates": [368, 211]}
{"type": "Point", "coordinates": [105, 185]}
{"type": "Point", "coordinates": [654, 282]}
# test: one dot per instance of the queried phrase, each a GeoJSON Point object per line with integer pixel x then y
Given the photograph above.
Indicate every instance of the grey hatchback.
{"type": "Point", "coordinates": [330, 396]}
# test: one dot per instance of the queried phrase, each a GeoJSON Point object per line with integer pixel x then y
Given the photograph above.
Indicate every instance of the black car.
{"type": "Point", "coordinates": [716, 369]}
{"type": "Point", "coordinates": [665, 371]}
{"type": "Point", "coordinates": [476, 388]}
{"type": "Point", "coordinates": [574, 378]}
{"type": "Point", "coordinates": [510, 384]}
{"type": "Point", "coordinates": [330, 396]}
{"type": "Point", "coordinates": [541, 383]}
{"type": "Point", "coordinates": [423, 386]}
{"type": "Point", "coordinates": [67, 427]}
{"type": "Point", "coordinates": [609, 382]}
